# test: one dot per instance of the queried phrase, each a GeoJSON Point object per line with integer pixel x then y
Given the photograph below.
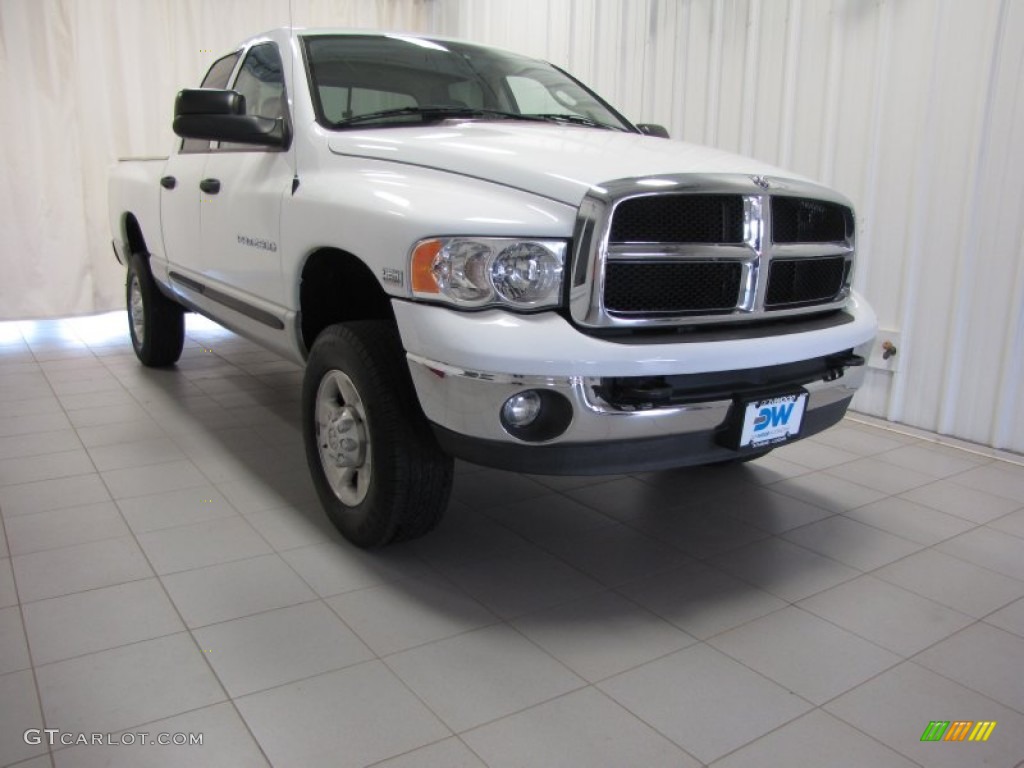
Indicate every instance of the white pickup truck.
{"type": "Point", "coordinates": [476, 256]}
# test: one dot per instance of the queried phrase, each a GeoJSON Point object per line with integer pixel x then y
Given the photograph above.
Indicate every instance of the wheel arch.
{"type": "Point", "coordinates": [132, 237]}
{"type": "Point", "coordinates": [336, 286]}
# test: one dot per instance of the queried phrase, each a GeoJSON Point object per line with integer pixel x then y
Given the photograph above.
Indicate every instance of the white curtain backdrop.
{"type": "Point", "coordinates": [84, 82]}
{"type": "Point", "coordinates": [913, 108]}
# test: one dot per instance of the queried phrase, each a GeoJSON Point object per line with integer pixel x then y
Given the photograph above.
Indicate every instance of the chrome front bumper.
{"type": "Point", "coordinates": [464, 402]}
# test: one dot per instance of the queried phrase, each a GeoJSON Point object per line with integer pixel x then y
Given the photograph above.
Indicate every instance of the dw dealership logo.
{"type": "Point", "coordinates": [958, 730]}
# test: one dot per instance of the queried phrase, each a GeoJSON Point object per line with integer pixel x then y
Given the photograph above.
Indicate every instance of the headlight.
{"type": "Point", "coordinates": [487, 271]}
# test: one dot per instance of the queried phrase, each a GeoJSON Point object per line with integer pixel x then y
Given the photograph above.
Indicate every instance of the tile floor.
{"type": "Point", "coordinates": [164, 568]}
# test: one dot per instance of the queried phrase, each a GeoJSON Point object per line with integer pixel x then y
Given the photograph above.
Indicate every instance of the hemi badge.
{"type": "Point", "coordinates": [393, 276]}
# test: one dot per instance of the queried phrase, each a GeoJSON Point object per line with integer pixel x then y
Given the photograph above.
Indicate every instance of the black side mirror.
{"type": "Point", "coordinates": [216, 115]}
{"type": "Point", "coordinates": [653, 129]}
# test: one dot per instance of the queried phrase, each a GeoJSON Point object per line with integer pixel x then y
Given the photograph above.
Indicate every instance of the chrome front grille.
{"type": "Point", "coordinates": [678, 219]}
{"type": "Point", "coordinates": [804, 282]}
{"type": "Point", "coordinates": [709, 249]}
{"type": "Point", "coordinates": [674, 287]}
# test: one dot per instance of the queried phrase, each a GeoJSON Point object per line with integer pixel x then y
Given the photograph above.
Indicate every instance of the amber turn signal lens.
{"type": "Point", "coordinates": [422, 267]}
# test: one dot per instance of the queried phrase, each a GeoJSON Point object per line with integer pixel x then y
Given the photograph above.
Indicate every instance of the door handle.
{"type": "Point", "coordinates": [168, 182]}
{"type": "Point", "coordinates": [210, 186]}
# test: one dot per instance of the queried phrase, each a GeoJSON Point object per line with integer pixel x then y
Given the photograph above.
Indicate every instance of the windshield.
{"type": "Point", "coordinates": [391, 80]}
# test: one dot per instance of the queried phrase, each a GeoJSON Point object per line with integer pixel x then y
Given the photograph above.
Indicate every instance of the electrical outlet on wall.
{"type": "Point", "coordinates": [886, 354]}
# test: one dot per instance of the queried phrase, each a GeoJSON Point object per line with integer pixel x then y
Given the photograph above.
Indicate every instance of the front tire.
{"type": "Point", "coordinates": [155, 323]}
{"type": "Point", "coordinates": [376, 466]}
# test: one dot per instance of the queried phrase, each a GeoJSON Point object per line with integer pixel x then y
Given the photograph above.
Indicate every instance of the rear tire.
{"type": "Point", "coordinates": [156, 324]}
{"type": "Point", "coordinates": [375, 463]}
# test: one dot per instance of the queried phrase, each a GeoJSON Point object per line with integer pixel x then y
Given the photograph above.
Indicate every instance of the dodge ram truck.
{"type": "Point", "coordinates": [473, 255]}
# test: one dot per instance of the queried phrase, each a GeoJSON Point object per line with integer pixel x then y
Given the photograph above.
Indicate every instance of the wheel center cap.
{"type": "Point", "coordinates": [346, 438]}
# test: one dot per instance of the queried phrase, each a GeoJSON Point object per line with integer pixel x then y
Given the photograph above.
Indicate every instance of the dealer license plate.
{"type": "Point", "coordinates": [772, 421]}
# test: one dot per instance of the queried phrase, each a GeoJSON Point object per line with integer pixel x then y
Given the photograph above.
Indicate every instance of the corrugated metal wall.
{"type": "Point", "coordinates": [910, 107]}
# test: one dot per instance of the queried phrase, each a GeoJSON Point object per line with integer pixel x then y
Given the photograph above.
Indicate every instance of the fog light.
{"type": "Point", "coordinates": [522, 409]}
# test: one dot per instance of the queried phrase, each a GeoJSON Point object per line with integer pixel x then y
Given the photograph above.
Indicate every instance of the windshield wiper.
{"type": "Point", "coordinates": [435, 113]}
{"type": "Point", "coordinates": [558, 117]}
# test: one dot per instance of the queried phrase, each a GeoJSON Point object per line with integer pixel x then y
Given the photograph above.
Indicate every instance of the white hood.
{"type": "Point", "coordinates": [557, 161]}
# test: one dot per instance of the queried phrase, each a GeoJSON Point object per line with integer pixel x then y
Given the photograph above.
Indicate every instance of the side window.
{"type": "Point", "coordinates": [261, 81]}
{"type": "Point", "coordinates": [216, 77]}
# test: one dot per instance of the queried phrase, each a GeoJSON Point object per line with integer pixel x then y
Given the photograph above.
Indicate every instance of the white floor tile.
{"type": "Point", "coordinates": [480, 676]}
{"type": "Point", "coordinates": [1010, 618]}
{"type": "Point", "coordinates": [990, 549]}
{"type": "Point", "coordinates": [280, 646]}
{"type": "Point", "coordinates": [884, 477]}
{"type": "Point", "coordinates": [138, 453]}
{"type": "Point", "coordinates": [936, 461]}
{"type": "Point", "coordinates": [270, 492]}
{"type": "Point", "coordinates": [704, 701]}
{"type": "Point", "coordinates": [998, 478]}
{"type": "Point", "coordinates": [401, 615]}
{"type": "Point", "coordinates": [294, 527]}
{"type": "Point", "coordinates": [1012, 523]}
{"type": "Point", "coordinates": [230, 591]}
{"type": "Point", "coordinates": [101, 619]}
{"type": "Point", "coordinates": [955, 583]}
{"type": "Point", "coordinates": [815, 455]}
{"type": "Point", "coordinates": [984, 658]}
{"type": "Point", "coordinates": [864, 442]}
{"type": "Point", "coordinates": [765, 509]}
{"type": "Point", "coordinates": [447, 753]}
{"type": "Point", "coordinates": [602, 635]}
{"type": "Point", "coordinates": [969, 503]}
{"type": "Point", "coordinates": [334, 567]}
{"type": "Point", "coordinates": [815, 739]}
{"type": "Point", "coordinates": [174, 508]}
{"type": "Point", "coordinates": [153, 478]}
{"type": "Point", "coordinates": [625, 498]}
{"type": "Point", "coordinates": [65, 527]}
{"type": "Point", "coordinates": [8, 594]}
{"type": "Point", "coordinates": [911, 521]}
{"type": "Point", "coordinates": [227, 743]}
{"type": "Point", "coordinates": [31, 423]}
{"type": "Point", "coordinates": [360, 715]}
{"type": "Point", "coordinates": [42, 496]}
{"type": "Point", "coordinates": [615, 554]}
{"type": "Point", "coordinates": [802, 653]}
{"type": "Point", "coordinates": [186, 547]}
{"type": "Point", "coordinates": [19, 711]}
{"type": "Point", "coordinates": [38, 444]}
{"type": "Point", "coordinates": [108, 414]}
{"type": "Point", "coordinates": [712, 554]}
{"type": "Point", "coordinates": [492, 488]}
{"type": "Point", "coordinates": [702, 601]}
{"type": "Point", "coordinates": [93, 694]}
{"type": "Point", "coordinates": [13, 648]}
{"type": "Point", "coordinates": [63, 571]}
{"type": "Point", "coordinates": [700, 530]}
{"type": "Point", "coordinates": [828, 492]}
{"type": "Point", "coordinates": [785, 569]}
{"type": "Point", "coordinates": [123, 432]}
{"type": "Point", "coordinates": [549, 517]}
{"type": "Point", "coordinates": [520, 583]}
{"type": "Point", "coordinates": [891, 617]}
{"type": "Point", "coordinates": [896, 707]}
{"type": "Point", "coordinates": [27, 469]}
{"type": "Point", "coordinates": [855, 544]}
{"type": "Point", "coordinates": [584, 728]}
